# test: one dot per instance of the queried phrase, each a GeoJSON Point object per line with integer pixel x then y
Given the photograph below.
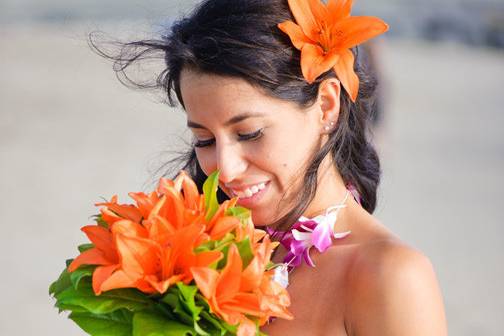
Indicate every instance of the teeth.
{"type": "Point", "coordinates": [250, 191]}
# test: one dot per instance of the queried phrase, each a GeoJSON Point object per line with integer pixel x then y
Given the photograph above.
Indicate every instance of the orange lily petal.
{"type": "Point", "coordinates": [92, 256]}
{"type": "Point", "coordinates": [296, 34]}
{"type": "Point", "coordinates": [163, 184]}
{"type": "Point", "coordinates": [206, 280]}
{"type": "Point", "coordinates": [191, 194]}
{"type": "Point", "coordinates": [138, 256]}
{"type": "Point", "coordinates": [101, 274]}
{"type": "Point", "coordinates": [223, 226]}
{"type": "Point", "coordinates": [218, 214]}
{"type": "Point", "coordinates": [109, 217]}
{"type": "Point", "coordinates": [157, 207]}
{"type": "Point", "coordinates": [253, 273]}
{"type": "Point", "coordinates": [162, 286]}
{"type": "Point", "coordinates": [229, 279]}
{"type": "Point", "coordinates": [99, 236]}
{"type": "Point", "coordinates": [357, 29]}
{"type": "Point", "coordinates": [182, 246]}
{"type": "Point", "coordinates": [118, 279]}
{"type": "Point", "coordinates": [126, 211]}
{"type": "Point", "coordinates": [102, 240]}
{"type": "Point", "coordinates": [304, 17]}
{"type": "Point", "coordinates": [129, 228]}
{"type": "Point", "coordinates": [339, 9]}
{"type": "Point", "coordinates": [159, 229]}
{"type": "Point", "coordinates": [145, 203]}
{"type": "Point", "coordinates": [173, 208]}
{"type": "Point", "coordinates": [346, 74]}
{"type": "Point", "coordinates": [319, 11]}
{"type": "Point", "coordinates": [314, 62]}
{"type": "Point", "coordinates": [246, 303]}
{"type": "Point", "coordinates": [204, 237]}
{"type": "Point", "coordinates": [204, 259]}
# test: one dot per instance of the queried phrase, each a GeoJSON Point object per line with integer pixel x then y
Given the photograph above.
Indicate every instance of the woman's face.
{"type": "Point", "coordinates": [259, 144]}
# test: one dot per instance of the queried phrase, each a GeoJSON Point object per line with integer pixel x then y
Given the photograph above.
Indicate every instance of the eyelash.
{"type": "Point", "coordinates": [242, 137]}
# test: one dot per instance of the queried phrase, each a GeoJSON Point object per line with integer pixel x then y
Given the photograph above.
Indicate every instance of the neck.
{"type": "Point", "coordinates": [331, 189]}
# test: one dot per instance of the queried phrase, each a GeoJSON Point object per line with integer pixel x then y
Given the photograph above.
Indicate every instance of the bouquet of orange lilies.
{"type": "Point", "coordinates": [175, 263]}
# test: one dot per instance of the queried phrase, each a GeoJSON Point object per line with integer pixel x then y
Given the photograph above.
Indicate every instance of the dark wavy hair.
{"type": "Point", "coordinates": [240, 39]}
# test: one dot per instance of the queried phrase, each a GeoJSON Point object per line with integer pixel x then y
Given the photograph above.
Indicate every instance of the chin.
{"type": "Point", "coordinates": [260, 221]}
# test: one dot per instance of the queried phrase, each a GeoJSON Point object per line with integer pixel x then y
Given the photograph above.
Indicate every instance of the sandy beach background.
{"type": "Point", "coordinates": [70, 134]}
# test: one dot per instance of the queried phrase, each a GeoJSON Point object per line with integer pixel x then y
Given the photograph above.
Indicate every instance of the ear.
{"type": "Point", "coordinates": [329, 102]}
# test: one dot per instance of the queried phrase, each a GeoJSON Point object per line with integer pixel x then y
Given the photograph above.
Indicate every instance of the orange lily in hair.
{"type": "Point", "coordinates": [325, 34]}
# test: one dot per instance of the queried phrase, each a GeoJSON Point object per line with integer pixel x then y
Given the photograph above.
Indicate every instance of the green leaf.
{"type": "Point", "coordinates": [186, 296]}
{"type": "Point", "coordinates": [204, 247]}
{"type": "Point", "coordinates": [243, 214]}
{"type": "Point", "coordinates": [152, 324]}
{"type": "Point", "coordinates": [61, 284]}
{"type": "Point", "coordinates": [173, 300]}
{"type": "Point", "coordinates": [74, 309]}
{"type": "Point", "coordinates": [80, 273]}
{"type": "Point", "coordinates": [106, 302]}
{"type": "Point", "coordinates": [272, 265]}
{"type": "Point", "coordinates": [118, 323]}
{"type": "Point", "coordinates": [221, 327]}
{"type": "Point", "coordinates": [210, 191]}
{"type": "Point", "coordinates": [85, 247]}
{"type": "Point", "coordinates": [228, 238]}
{"type": "Point", "coordinates": [223, 261]}
{"type": "Point", "coordinates": [245, 250]}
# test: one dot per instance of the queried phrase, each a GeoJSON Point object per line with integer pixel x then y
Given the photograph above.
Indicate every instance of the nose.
{"type": "Point", "coordinates": [231, 161]}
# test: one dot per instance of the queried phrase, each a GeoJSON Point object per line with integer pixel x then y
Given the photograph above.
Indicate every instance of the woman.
{"type": "Point", "coordinates": [288, 131]}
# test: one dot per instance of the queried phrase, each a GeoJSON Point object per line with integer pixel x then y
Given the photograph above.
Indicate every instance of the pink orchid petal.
{"type": "Point", "coordinates": [339, 235]}
{"type": "Point", "coordinates": [298, 247]}
{"type": "Point", "coordinates": [307, 258]}
{"type": "Point", "coordinates": [321, 237]}
{"type": "Point", "coordinates": [299, 236]}
{"type": "Point", "coordinates": [293, 260]}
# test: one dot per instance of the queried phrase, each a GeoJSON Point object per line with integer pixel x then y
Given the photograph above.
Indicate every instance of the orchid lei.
{"type": "Point", "coordinates": [306, 233]}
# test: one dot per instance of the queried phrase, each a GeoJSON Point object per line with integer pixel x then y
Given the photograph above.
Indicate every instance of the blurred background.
{"type": "Point", "coordinates": [71, 134]}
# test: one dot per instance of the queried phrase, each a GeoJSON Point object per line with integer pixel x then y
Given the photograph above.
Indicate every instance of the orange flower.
{"type": "Point", "coordinates": [222, 290]}
{"type": "Point", "coordinates": [115, 212]}
{"type": "Point", "coordinates": [151, 245]}
{"type": "Point", "coordinates": [234, 293]}
{"type": "Point", "coordinates": [248, 230]}
{"type": "Point", "coordinates": [325, 34]}
{"type": "Point", "coordinates": [147, 265]}
{"type": "Point", "coordinates": [103, 254]}
{"type": "Point", "coordinates": [274, 299]}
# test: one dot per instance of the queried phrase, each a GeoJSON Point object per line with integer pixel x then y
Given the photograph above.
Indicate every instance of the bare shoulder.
{"type": "Point", "coordinates": [393, 290]}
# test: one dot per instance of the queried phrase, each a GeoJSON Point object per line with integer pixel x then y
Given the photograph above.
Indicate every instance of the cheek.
{"type": "Point", "coordinates": [206, 160]}
{"type": "Point", "coordinates": [292, 154]}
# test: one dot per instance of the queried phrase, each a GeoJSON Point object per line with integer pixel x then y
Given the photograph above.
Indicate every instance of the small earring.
{"type": "Point", "coordinates": [326, 128]}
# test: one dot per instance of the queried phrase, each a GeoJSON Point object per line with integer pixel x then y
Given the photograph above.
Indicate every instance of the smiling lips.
{"type": "Point", "coordinates": [249, 191]}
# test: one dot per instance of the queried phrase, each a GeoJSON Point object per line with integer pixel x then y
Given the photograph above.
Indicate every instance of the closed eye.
{"type": "Point", "coordinates": [241, 137]}
{"type": "Point", "coordinates": [251, 136]}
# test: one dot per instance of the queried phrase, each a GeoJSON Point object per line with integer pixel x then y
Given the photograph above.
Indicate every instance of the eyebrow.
{"type": "Point", "coordinates": [234, 120]}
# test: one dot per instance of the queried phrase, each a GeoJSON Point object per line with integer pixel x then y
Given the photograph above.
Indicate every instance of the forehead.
{"type": "Point", "coordinates": [207, 95]}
